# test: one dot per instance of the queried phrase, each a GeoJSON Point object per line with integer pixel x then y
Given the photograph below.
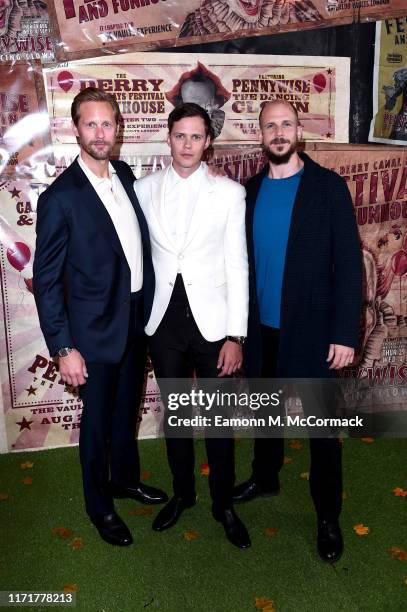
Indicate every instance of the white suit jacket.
{"type": "Point", "coordinates": [212, 261]}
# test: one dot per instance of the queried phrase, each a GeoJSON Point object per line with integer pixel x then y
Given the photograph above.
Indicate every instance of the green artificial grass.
{"type": "Point", "coordinates": [164, 572]}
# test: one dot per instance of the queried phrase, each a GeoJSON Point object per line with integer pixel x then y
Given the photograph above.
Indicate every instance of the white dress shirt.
{"type": "Point", "coordinates": [121, 211]}
{"type": "Point", "coordinates": [180, 196]}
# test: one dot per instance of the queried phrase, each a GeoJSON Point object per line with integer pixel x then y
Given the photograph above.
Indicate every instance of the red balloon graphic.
{"type": "Point", "coordinates": [399, 263]}
{"type": "Point", "coordinates": [319, 82]}
{"type": "Point", "coordinates": [19, 255]}
{"type": "Point", "coordinates": [65, 80]}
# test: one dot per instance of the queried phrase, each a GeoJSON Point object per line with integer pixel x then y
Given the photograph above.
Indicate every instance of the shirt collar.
{"type": "Point", "coordinates": [174, 178]}
{"type": "Point", "coordinates": [93, 178]}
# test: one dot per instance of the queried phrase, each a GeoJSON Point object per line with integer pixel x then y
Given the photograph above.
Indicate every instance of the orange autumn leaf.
{"type": "Point", "coordinates": [367, 440]}
{"type": "Point", "coordinates": [399, 492]}
{"type": "Point", "coordinates": [3, 496]}
{"type": "Point", "coordinates": [270, 531]}
{"type": "Point", "coordinates": [304, 475]}
{"type": "Point", "coordinates": [62, 532]}
{"type": "Point", "coordinates": [397, 553]}
{"type": "Point", "coordinates": [287, 460]}
{"type": "Point", "coordinates": [70, 588]}
{"type": "Point", "coordinates": [267, 605]}
{"type": "Point", "coordinates": [361, 529]}
{"type": "Point", "coordinates": [76, 543]}
{"type": "Point", "coordinates": [295, 444]}
{"type": "Point", "coordinates": [191, 535]}
{"type": "Point", "coordinates": [145, 475]}
{"type": "Point", "coordinates": [141, 511]}
{"type": "Point", "coordinates": [27, 465]}
{"type": "Point", "coordinates": [28, 480]}
{"type": "Point", "coordinates": [204, 469]}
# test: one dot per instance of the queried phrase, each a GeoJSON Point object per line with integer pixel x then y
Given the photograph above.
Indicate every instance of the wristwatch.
{"type": "Point", "coordinates": [64, 351]}
{"type": "Point", "coordinates": [237, 339]}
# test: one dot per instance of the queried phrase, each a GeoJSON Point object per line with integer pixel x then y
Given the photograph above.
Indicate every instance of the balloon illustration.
{"type": "Point", "coordinates": [65, 80]}
{"type": "Point", "coordinates": [399, 263]}
{"type": "Point", "coordinates": [319, 82]}
{"type": "Point", "coordinates": [19, 255]}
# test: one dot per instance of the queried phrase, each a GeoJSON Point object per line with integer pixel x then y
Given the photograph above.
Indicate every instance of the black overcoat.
{"type": "Point", "coordinates": [322, 281]}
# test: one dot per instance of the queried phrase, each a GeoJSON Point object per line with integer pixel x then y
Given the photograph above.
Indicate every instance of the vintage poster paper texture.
{"type": "Point", "coordinates": [92, 27]}
{"type": "Point", "coordinates": [25, 146]}
{"type": "Point", "coordinates": [389, 123]}
{"type": "Point", "coordinates": [38, 409]}
{"type": "Point", "coordinates": [25, 32]}
{"type": "Point", "coordinates": [232, 88]}
{"type": "Point", "coordinates": [377, 179]}
{"type": "Point", "coordinates": [238, 162]}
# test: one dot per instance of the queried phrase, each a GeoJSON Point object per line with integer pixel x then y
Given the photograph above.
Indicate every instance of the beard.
{"type": "Point", "coordinates": [276, 158]}
{"type": "Point", "coordinates": [95, 153]}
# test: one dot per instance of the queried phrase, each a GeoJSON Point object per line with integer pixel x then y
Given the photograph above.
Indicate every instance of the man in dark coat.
{"type": "Point", "coordinates": [306, 293]}
{"type": "Point", "coordinates": [94, 288]}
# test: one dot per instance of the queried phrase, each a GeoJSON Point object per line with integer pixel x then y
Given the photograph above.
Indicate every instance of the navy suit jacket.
{"type": "Point", "coordinates": [322, 283]}
{"type": "Point", "coordinates": [81, 277]}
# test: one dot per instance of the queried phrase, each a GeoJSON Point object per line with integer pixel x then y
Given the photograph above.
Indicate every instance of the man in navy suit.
{"type": "Point", "coordinates": [94, 287]}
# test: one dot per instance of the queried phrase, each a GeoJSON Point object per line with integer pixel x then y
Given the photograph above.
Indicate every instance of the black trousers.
{"type": "Point", "coordinates": [325, 478]}
{"type": "Point", "coordinates": [177, 348]}
{"type": "Point", "coordinates": [111, 400]}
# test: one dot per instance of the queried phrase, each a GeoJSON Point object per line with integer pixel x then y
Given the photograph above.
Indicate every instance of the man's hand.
{"type": "Point", "coordinates": [341, 356]}
{"type": "Point", "coordinates": [73, 369]}
{"type": "Point", "coordinates": [230, 358]}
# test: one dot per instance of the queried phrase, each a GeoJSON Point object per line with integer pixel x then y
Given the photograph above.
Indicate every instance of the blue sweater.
{"type": "Point", "coordinates": [271, 224]}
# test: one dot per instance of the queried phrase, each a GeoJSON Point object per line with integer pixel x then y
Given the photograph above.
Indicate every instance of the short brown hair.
{"type": "Point", "coordinates": [190, 109]}
{"type": "Point", "coordinates": [92, 94]}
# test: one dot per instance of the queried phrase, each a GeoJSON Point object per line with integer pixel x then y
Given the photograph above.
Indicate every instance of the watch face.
{"type": "Point", "coordinates": [63, 352]}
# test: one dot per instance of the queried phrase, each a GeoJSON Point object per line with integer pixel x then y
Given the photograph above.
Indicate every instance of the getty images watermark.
{"type": "Point", "coordinates": [279, 407]}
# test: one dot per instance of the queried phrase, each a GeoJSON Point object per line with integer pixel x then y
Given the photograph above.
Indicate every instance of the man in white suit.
{"type": "Point", "coordinates": [200, 308]}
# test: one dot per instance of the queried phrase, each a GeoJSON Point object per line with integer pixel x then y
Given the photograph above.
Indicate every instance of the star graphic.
{"type": "Point", "coordinates": [31, 390]}
{"type": "Point", "coordinates": [15, 193]}
{"type": "Point", "coordinates": [24, 424]}
{"type": "Point", "coordinates": [328, 135]}
{"type": "Point", "coordinates": [329, 71]}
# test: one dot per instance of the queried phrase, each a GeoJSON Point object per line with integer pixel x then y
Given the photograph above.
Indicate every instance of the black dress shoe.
{"type": "Point", "coordinates": [169, 515]}
{"type": "Point", "coordinates": [329, 542]}
{"type": "Point", "coordinates": [235, 531]}
{"type": "Point", "coordinates": [112, 529]}
{"type": "Point", "coordinates": [250, 489]}
{"type": "Point", "coordinates": [142, 493]}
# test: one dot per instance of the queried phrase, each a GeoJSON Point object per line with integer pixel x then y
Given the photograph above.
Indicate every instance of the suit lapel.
{"type": "Point", "coordinates": [206, 188]}
{"type": "Point", "coordinates": [98, 210]}
{"type": "Point", "coordinates": [128, 185]}
{"type": "Point", "coordinates": [158, 186]}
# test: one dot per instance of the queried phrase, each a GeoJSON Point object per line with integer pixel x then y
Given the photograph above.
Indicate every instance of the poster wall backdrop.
{"type": "Point", "coordinates": [389, 123]}
{"type": "Point", "coordinates": [25, 32]}
{"type": "Point", "coordinates": [232, 88]}
{"type": "Point", "coordinates": [88, 28]}
{"type": "Point", "coordinates": [25, 145]}
{"type": "Point", "coordinates": [40, 411]}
